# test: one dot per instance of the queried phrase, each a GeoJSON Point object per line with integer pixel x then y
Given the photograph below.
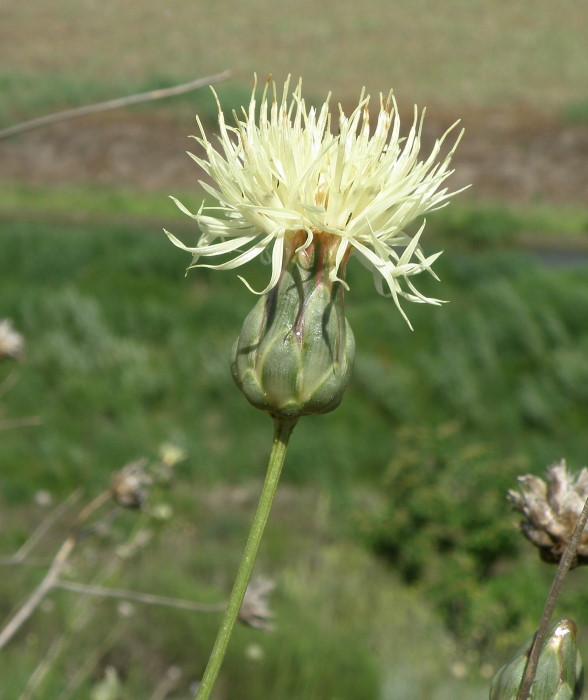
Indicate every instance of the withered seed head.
{"type": "Point", "coordinates": [129, 484]}
{"type": "Point", "coordinates": [255, 610]}
{"type": "Point", "coordinates": [552, 509]}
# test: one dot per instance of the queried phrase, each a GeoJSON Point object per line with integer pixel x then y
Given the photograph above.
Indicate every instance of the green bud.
{"type": "Point", "coordinates": [559, 676]}
{"type": "Point", "coordinates": [295, 352]}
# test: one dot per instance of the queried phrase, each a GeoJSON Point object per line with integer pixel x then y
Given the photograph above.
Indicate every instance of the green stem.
{"type": "Point", "coordinates": [282, 431]}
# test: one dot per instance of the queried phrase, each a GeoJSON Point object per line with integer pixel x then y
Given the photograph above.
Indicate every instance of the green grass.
{"type": "Point", "coordinates": [451, 53]}
{"type": "Point", "coordinates": [576, 112]}
{"type": "Point", "coordinates": [125, 353]}
{"type": "Point", "coordinates": [463, 224]}
{"type": "Point", "coordinates": [345, 624]}
{"type": "Point", "coordinates": [111, 302]}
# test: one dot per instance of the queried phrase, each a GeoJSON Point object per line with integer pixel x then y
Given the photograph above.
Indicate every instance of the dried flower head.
{"type": "Point", "coordinates": [552, 509]}
{"type": "Point", "coordinates": [12, 343]}
{"type": "Point", "coordinates": [281, 171]}
{"type": "Point", "coordinates": [129, 485]}
{"type": "Point", "coordinates": [254, 609]}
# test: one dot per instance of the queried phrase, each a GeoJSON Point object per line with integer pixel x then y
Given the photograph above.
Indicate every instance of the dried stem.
{"type": "Point", "coordinates": [137, 597]}
{"type": "Point", "coordinates": [112, 104]}
{"type": "Point", "coordinates": [20, 422]}
{"type": "Point", "coordinates": [81, 616]}
{"type": "Point", "coordinates": [38, 675]}
{"type": "Point", "coordinates": [541, 634]}
{"type": "Point", "coordinates": [52, 575]}
{"type": "Point", "coordinates": [167, 684]}
{"type": "Point", "coordinates": [91, 661]}
{"type": "Point", "coordinates": [36, 597]}
{"type": "Point", "coordinates": [44, 527]}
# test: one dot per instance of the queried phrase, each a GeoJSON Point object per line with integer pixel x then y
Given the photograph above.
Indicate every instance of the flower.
{"type": "Point", "coordinates": [552, 509]}
{"type": "Point", "coordinates": [281, 171]}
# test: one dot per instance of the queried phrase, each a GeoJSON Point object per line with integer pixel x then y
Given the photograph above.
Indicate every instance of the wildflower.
{"type": "Point", "coordinates": [552, 509]}
{"type": "Point", "coordinates": [281, 175]}
{"type": "Point", "coordinates": [129, 485]}
{"type": "Point", "coordinates": [12, 343]}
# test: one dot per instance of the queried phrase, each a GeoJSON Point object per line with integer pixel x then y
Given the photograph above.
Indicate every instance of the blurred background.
{"type": "Point", "coordinates": [398, 569]}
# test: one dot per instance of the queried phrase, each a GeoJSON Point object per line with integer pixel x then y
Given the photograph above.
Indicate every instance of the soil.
{"type": "Point", "coordinates": [513, 156]}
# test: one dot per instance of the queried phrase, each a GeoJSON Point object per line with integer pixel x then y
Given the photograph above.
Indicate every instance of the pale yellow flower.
{"type": "Point", "coordinates": [281, 170]}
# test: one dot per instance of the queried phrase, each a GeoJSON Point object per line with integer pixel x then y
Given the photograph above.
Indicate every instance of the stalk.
{"type": "Point", "coordinates": [282, 430]}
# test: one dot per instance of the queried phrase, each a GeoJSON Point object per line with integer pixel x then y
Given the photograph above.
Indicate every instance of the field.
{"type": "Point", "coordinates": [398, 570]}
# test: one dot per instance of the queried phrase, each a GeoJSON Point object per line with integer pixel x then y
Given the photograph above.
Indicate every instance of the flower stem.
{"type": "Point", "coordinates": [541, 634]}
{"type": "Point", "coordinates": [282, 430]}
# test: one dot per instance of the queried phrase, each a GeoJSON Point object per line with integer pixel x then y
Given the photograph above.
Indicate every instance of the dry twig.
{"type": "Point", "coordinates": [52, 575]}
{"type": "Point", "coordinates": [20, 556]}
{"type": "Point", "coordinates": [137, 597]}
{"type": "Point", "coordinates": [113, 104]}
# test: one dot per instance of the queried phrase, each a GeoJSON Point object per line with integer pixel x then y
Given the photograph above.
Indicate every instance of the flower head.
{"type": "Point", "coordinates": [280, 171]}
{"type": "Point", "coordinates": [551, 509]}
{"type": "Point", "coordinates": [129, 485]}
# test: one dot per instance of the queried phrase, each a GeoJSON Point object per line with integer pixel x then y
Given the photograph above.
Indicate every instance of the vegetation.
{"type": "Point", "coordinates": [452, 53]}
{"type": "Point", "coordinates": [399, 571]}
{"type": "Point", "coordinates": [125, 354]}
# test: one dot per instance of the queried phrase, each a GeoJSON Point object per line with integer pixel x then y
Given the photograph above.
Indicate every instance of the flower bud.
{"type": "Point", "coordinates": [295, 352]}
{"type": "Point", "coordinates": [559, 671]}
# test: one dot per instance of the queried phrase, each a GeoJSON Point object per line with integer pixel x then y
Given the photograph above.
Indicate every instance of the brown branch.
{"type": "Point", "coordinates": [112, 104]}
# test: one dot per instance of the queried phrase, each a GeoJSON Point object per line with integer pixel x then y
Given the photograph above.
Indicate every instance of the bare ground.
{"type": "Point", "coordinates": [513, 156]}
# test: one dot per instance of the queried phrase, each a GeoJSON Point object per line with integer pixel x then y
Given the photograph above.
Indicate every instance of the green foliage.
{"type": "Point", "coordinates": [479, 227]}
{"type": "Point", "coordinates": [577, 112]}
{"type": "Point", "coordinates": [124, 353]}
{"type": "Point", "coordinates": [443, 523]}
{"type": "Point", "coordinates": [496, 388]}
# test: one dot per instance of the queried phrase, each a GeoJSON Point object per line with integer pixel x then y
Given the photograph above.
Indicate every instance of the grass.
{"type": "Point", "coordinates": [110, 301]}
{"type": "Point", "coordinates": [124, 353]}
{"type": "Point", "coordinates": [468, 223]}
{"type": "Point", "coordinates": [450, 54]}
{"type": "Point", "coordinates": [358, 631]}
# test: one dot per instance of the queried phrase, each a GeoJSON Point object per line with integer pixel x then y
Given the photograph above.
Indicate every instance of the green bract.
{"type": "Point", "coordinates": [560, 675]}
{"type": "Point", "coordinates": [295, 352]}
